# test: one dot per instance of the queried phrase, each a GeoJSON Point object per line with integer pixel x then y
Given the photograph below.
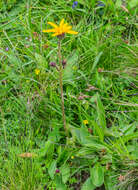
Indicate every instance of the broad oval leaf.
{"type": "Point", "coordinates": [68, 72]}
{"type": "Point", "coordinates": [88, 185]}
{"type": "Point", "coordinates": [133, 3]}
{"type": "Point", "coordinates": [65, 172]}
{"type": "Point", "coordinates": [97, 175]}
{"type": "Point", "coordinates": [52, 168]}
{"type": "Point", "coordinates": [109, 183]}
{"type": "Point", "coordinates": [59, 184]}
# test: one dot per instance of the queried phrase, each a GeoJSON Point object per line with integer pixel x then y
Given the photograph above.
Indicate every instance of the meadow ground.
{"type": "Point", "coordinates": [99, 148]}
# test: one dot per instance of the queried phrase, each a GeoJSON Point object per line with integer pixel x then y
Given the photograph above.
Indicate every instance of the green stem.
{"type": "Point", "coordinates": [61, 84]}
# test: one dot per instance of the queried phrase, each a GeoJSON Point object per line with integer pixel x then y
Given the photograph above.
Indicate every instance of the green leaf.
{"type": "Point", "coordinates": [99, 131]}
{"type": "Point", "coordinates": [126, 138]}
{"type": "Point", "coordinates": [4, 91]}
{"type": "Point", "coordinates": [96, 60]}
{"type": "Point", "coordinates": [130, 129]}
{"type": "Point", "coordinates": [52, 168]}
{"type": "Point", "coordinates": [88, 185]}
{"type": "Point", "coordinates": [68, 72]}
{"type": "Point", "coordinates": [65, 172]}
{"type": "Point", "coordinates": [109, 183]}
{"type": "Point", "coordinates": [59, 184]}
{"type": "Point", "coordinates": [41, 61]}
{"type": "Point", "coordinates": [97, 175]}
{"type": "Point", "coordinates": [101, 113]}
{"type": "Point", "coordinates": [96, 144]}
{"type": "Point", "coordinates": [133, 3]}
{"type": "Point", "coordinates": [135, 153]}
{"type": "Point", "coordinates": [13, 59]}
{"type": "Point", "coordinates": [87, 140]}
{"type": "Point", "coordinates": [81, 134]}
{"type": "Point", "coordinates": [48, 150]}
{"type": "Point", "coordinates": [118, 3]}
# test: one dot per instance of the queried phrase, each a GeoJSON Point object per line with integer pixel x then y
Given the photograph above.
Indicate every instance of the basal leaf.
{"type": "Point", "coordinates": [97, 175]}
{"type": "Point", "coordinates": [40, 60]}
{"type": "Point", "coordinates": [65, 172]}
{"type": "Point", "coordinates": [109, 183]}
{"type": "Point", "coordinates": [101, 113]}
{"type": "Point", "coordinates": [118, 3]}
{"type": "Point", "coordinates": [52, 168]}
{"type": "Point", "coordinates": [133, 3]}
{"type": "Point", "coordinates": [68, 72]}
{"type": "Point", "coordinates": [59, 183]}
{"type": "Point", "coordinates": [96, 61]}
{"type": "Point", "coordinates": [99, 131]}
{"type": "Point", "coordinates": [88, 185]}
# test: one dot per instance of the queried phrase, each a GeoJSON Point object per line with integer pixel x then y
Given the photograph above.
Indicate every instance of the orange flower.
{"type": "Point", "coordinates": [61, 29]}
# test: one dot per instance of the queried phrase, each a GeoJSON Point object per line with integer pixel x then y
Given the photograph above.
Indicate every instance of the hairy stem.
{"type": "Point", "coordinates": [61, 84]}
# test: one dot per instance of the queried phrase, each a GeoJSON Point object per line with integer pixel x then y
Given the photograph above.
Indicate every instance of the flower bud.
{"type": "Point", "coordinates": [52, 64]}
{"type": "Point", "coordinates": [64, 63]}
{"type": "Point", "coordinates": [6, 49]}
{"type": "Point", "coordinates": [57, 170]}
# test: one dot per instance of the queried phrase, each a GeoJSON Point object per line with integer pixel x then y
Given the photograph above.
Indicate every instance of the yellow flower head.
{"type": "Point", "coordinates": [61, 29]}
{"type": "Point", "coordinates": [72, 157]}
{"type": "Point", "coordinates": [37, 71]}
{"type": "Point", "coordinates": [85, 122]}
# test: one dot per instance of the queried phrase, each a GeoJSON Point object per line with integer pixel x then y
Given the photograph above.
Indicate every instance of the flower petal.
{"type": "Point", "coordinates": [65, 25]}
{"type": "Point", "coordinates": [61, 23]}
{"type": "Point", "coordinates": [52, 24]}
{"type": "Point", "coordinates": [56, 34]}
{"type": "Point", "coordinates": [71, 32]}
{"type": "Point", "coordinates": [49, 30]}
{"type": "Point", "coordinates": [61, 29]}
{"type": "Point", "coordinates": [68, 27]}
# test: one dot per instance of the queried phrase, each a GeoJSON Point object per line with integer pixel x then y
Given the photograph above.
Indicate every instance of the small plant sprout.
{"type": "Point", "coordinates": [60, 32]}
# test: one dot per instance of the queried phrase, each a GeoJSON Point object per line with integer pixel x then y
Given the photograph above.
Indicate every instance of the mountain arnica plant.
{"type": "Point", "coordinates": [68, 95]}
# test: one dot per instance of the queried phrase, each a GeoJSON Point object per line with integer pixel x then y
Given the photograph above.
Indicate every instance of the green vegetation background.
{"type": "Point", "coordinates": [100, 86]}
